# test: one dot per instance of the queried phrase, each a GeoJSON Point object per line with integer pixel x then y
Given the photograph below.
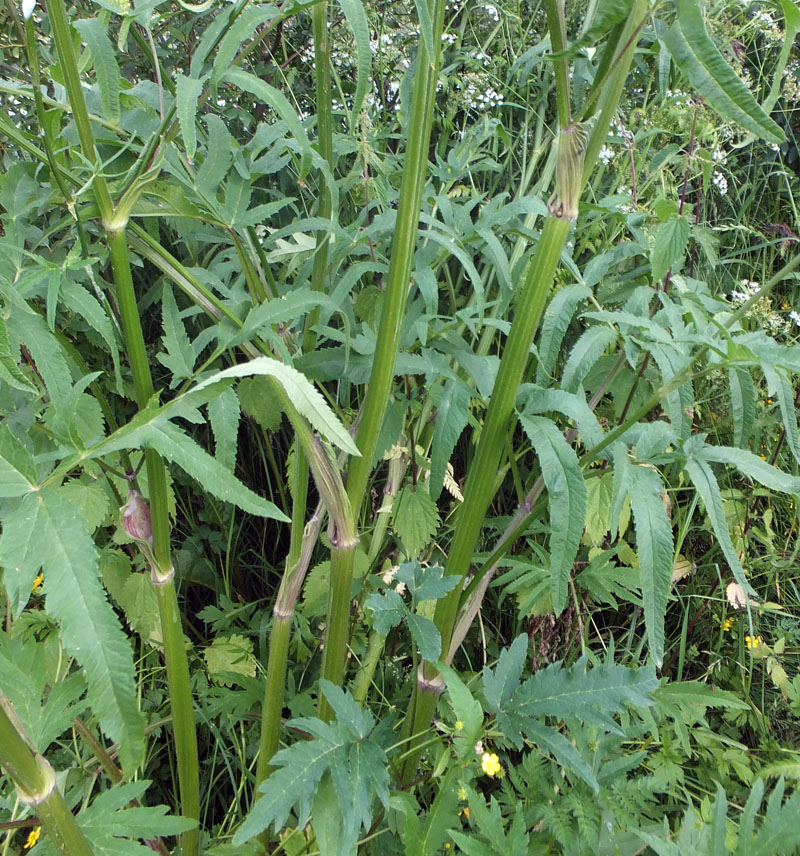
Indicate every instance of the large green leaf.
{"type": "Point", "coordinates": [93, 32]}
{"type": "Point", "coordinates": [655, 549]}
{"type": "Point", "coordinates": [175, 446]}
{"type": "Point", "coordinates": [554, 325]}
{"type": "Point", "coordinates": [45, 531]}
{"type": "Point", "coordinates": [17, 468]}
{"type": "Point", "coordinates": [698, 58]}
{"type": "Point", "coordinates": [584, 354]}
{"type": "Point", "coordinates": [187, 94]}
{"type": "Point", "coordinates": [669, 246]}
{"type": "Point", "coordinates": [116, 826]}
{"type": "Point", "coordinates": [46, 708]}
{"type": "Point", "coordinates": [743, 405]}
{"type": "Point", "coordinates": [346, 748]}
{"type": "Point", "coordinates": [301, 392]}
{"type": "Point", "coordinates": [705, 481]}
{"type": "Point", "coordinates": [450, 420]}
{"type": "Point", "coordinates": [752, 466]}
{"type": "Point", "coordinates": [278, 102]}
{"type": "Point", "coordinates": [567, 500]}
{"type": "Point", "coordinates": [357, 19]}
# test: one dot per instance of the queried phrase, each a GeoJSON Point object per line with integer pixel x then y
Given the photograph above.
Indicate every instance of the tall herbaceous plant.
{"type": "Point", "coordinates": [320, 325]}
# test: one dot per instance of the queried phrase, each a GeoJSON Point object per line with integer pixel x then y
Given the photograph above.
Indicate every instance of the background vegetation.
{"type": "Point", "coordinates": [409, 390]}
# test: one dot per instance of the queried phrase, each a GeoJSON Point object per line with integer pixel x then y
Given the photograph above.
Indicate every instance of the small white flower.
{"type": "Point", "coordinates": [606, 154]}
{"type": "Point", "coordinates": [720, 182]}
{"type": "Point", "coordinates": [27, 7]}
{"type": "Point", "coordinates": [795, 316]}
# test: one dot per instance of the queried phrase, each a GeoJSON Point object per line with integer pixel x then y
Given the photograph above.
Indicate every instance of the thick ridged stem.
{"type": "Point", "coordinates": [382, 374]}
{"type": "Point", "coordinates": [479, 489]}
{"type": "Point", "coordinates": [35, 781]}
{"type": "Point", "coordinates": [72, 83]}
{"type": "Point", "coordinates": [480, 486]}
{"type": "Point", "coordinates": [322, 79]}
{"type": "Point", "coordinates": [296, 566]}
{"type": "Point", "coordinates": [163, 574]}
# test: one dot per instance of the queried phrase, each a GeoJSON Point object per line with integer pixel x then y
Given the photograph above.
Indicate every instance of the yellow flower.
{"type": "Point", "coordinates": [753, 641]}
{"type": "Point", "coordinates": [33, 835]}
{"type": "Point", "coordinates": [490, 764]}
{"type": "Point", "coordinates": [459, 726]}
{"type": "Point", "coordinates": [727, 624]}
{"type": "Point", "coordinates": [37, 583]}
{"type": "Point", "coordinates": [462, 793]}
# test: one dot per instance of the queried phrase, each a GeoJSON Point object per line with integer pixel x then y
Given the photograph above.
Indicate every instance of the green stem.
{"type": "Point", "coordinates": [282, 615]}
{"type": "Point", "coordinates": [69, 67]}
{"type": "Point", "coordinates": [480, 485]}
{"type": "Point", "coordinates": [380, 384]}
{"type": "Point", "coordinates": [322, 73]}
{"type": "Point", "coordinates": [35, 781]}
{"type": "Point", "coordinates": [163, 574]}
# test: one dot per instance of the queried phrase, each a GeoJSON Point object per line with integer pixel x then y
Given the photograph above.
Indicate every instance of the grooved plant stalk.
{"type": "Point", "coordinates": [480, 486]}
{"type": "Point", "coordinates": [35, 781]}
{"type": "Point", "coordinates": [161, 565]}
{"type": "Point", "coordinates": [393, 308]}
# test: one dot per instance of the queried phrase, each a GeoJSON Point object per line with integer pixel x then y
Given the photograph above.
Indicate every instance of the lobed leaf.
{"type": "Point", "coordinates": [698, 58]}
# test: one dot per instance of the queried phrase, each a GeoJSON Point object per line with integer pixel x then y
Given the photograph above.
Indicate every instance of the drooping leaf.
{"type": "Point", "coordinates": [556, 319]}
{"type": "Point", "coordinates": [449, 422]}
{"type": "Point", "coordinates": [572, 405]}
{"type": "Point", "coordinates": [224, 415]}
{"type": "Point", "coordinates": [234, 36]}
{"type": "Point", "coordinates": [743, 405]}
{"type": "Point", "coordinates": [779, 385]}
{"type": "Point", "coordinates": [500, 683]}
{"type": "Point", "coordinates": [703, 478]}
{"type": "Point", "coordinates": [584, 354]}
{"type": "Point", "coordinates": [699, 59]}
{"type": "Point", "coordinates": [180, 356]}
{"type": "Point", "coordinates": [44, 531]}
{"type": "Point", "coordinates": [10, 372]}
{"type": "Point", "coordinates": [104, 59]}
{"type": "Point", "coordinates": [655, 549]}
{"type": "Point", "coordinates": [187, 93]}
{"type": "Point", "coordinates": [308, 402]}
{"type": "Point", "coordinates": [752, 466]}
{"type": "Point", "coordinates": [567, 500]}
{"type": "Point", "coordinates": [357, 19]}
{"type": "Point", "coordinates": [176, 446]}
{"type": "Point", "coordinates": [278, 102]}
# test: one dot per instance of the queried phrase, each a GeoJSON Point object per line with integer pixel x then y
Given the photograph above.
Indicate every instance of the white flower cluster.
{"type": "Point", "coordinates": [449, 38]}
{"type": "Point", "coordinates": [485, 99]}
{"type": "Point", "coordinates": [762, 310]}
{"type": "Point", "coordinates": [483, 59]}
{"type": "Point", "coordinates": [491, 12]}
{"type": "Point", "coordinates": [606, 154]}
{"type": "Point", "coordinates": [720, 182]}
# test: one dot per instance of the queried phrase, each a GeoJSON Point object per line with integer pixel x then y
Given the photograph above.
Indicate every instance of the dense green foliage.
{"type": "Point", "coordinates": [398, 427]}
